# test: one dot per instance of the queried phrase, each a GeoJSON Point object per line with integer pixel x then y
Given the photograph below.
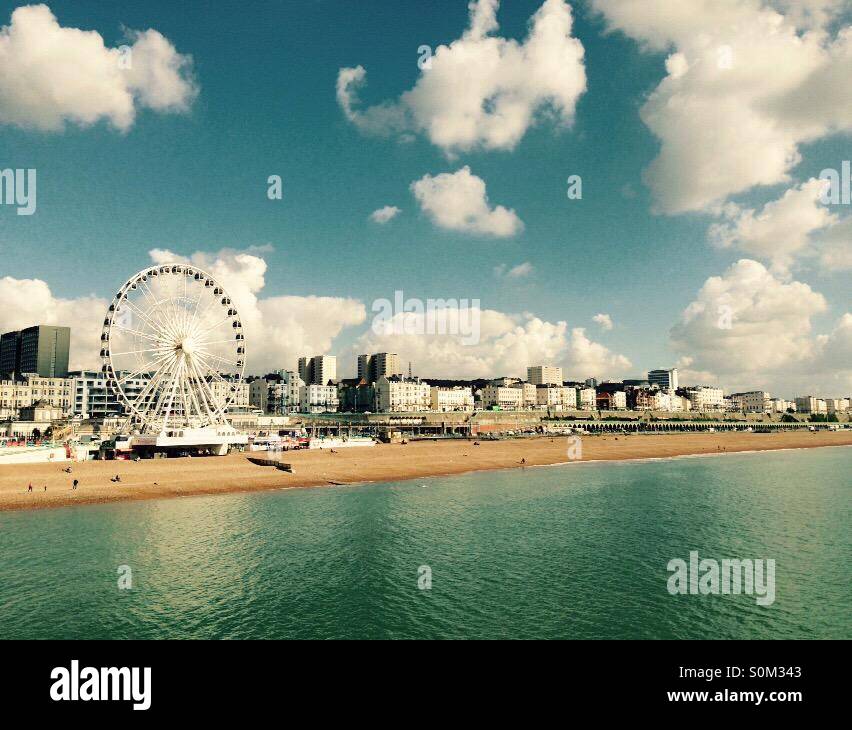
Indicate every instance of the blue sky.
{"type": "Point", "coordinates": [266, 74]}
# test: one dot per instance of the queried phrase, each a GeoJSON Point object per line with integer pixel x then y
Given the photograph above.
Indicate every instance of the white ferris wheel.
{"type": "Point", "coordinates": [173, 349]}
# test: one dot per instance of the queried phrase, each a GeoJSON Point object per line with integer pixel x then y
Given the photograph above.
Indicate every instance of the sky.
{"type": "Point", "coordinates": [701, 239]}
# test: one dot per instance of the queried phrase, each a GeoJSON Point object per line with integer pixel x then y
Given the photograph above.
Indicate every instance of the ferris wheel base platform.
{"type": "Point", "coordinates": [214, 440]}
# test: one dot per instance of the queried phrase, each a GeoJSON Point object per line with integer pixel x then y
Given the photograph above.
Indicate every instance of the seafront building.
{"type": "Point", "coordinates": [544, 375]}
{"type": "Point", "coordinates": [504, 397]}
{"type": "Point", "coordinates": [664, 379]}
{"type": "Point", "coordinates": [399, 394]}
{"type": "Point", "coordinates": [753, 401]}
{"type": "Point", "coordinates": [39, 350]}
{"type": "Point", "coordinates": [315, 398]}
{"type": "Point", "coordinates": [457, 398]}
{"type": "Point", "coordinates": [318, 370]}
{"type": "Point", "coordinates": [705, 398]}
{"type": "Point", "coordinates": [16, 395]}
{"type": "Point", "coordinates": [373, 367]}
{"type": "Point", "coordinates": [93, 399]}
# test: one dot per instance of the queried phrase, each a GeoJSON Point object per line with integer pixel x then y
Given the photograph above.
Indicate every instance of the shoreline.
{"type": "Point", "coordinates": [167, 478]}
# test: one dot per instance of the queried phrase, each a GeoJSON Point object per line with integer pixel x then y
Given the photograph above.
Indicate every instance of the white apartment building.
{"type": "Point", "coordinates": [318, 370]}
{"type": "Point", "coordinates": [315, 398]}
{"type": "Point", "coordinates": [837, 405]}
{"type": "Point", "coordinates": [259, 392]}
{"type": "Point", "coordinates": [396, 394]}
{"type": "Point", "coordinates": [223, 389]}
{"type": "Point", "coordinates": [284, 396]}
{"type": "Point", "coordinates": [706, 398]}
{"type": "Point", "coordinates": [779, 405]}
{"type": "Point", "coordinates": [544, 375]}
{"type": "Point", "coordinates": [586, 399]}
{"type": "Point", "coordinates": [505, 398]}
{"type": "Point", "coordinates": [529, 395]}
{"type": "Point", "coordinates": [556, 398]}
{"type": "Point", "coordinates": [92, 398]}
{"type": "Point", "coordinates": [809, 404]}
{"type": "Point", "coordinates": [674, 403]}
{"type": "Point", "coordinates": [619, 400]}
{"type": "Point", "coordinates": [753, 401]}
{"type": "Point", "coordinates": [15, 395]}
{"type": "Point", "coordinates": [451, 399]}
{"type": "Point", "coordinates": [372, 367]}
{"type": "Point", "coordinates": [664, 379]}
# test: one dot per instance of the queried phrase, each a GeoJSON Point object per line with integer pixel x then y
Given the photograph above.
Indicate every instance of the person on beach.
{"type": "Point", "coordinates": [74, 486]}
{"type": "Point", "coordinates": [30, 488]}
{"type": "Point", "coordinates": [523, 461]}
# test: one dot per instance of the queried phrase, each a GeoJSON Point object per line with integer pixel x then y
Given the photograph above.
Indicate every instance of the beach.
{"type": "Point", "coordinates": [184, 477]}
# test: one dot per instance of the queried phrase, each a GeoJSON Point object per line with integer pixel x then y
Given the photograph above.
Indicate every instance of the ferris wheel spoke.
{"type": "Point", "coordinates": [217, 324]}
{"type": "Point", "coordinates": [143, 315]}
{"type": "Point", "coordinates": [150, 387]}
{"type": "Point", "coordinates": [210, 356]}
{"type": "Point", "coordinates": [164, 386]}
{"type": "Point", "coordinates": [140, 371]}
{"type": "Point", "coordinates": [137, 352]}
{"type": "Point", "coordinates": [202, 387]}
{"type": "Point", "coordinates": [205, 343]}
{"type": "Point", "coordinates": [193, 396]}
{"type": "Point", "coordinates": [207, 395]}
{"type": "Point", "coordinates": [135, 332]}
{"type": "Point", "coordinates": [214, 373]}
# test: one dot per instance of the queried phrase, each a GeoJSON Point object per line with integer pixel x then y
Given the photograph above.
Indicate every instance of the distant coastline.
{"type": "Point", "coordinates": [156, 479]}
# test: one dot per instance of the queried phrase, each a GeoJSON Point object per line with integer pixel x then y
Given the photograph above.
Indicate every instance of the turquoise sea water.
{"type": "Point", "coordinates": [575, 551]}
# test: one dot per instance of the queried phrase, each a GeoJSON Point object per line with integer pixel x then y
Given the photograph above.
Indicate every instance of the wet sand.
{"type": "Point", "coordinates": [160, 478]}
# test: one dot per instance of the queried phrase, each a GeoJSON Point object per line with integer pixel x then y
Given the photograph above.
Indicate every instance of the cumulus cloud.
{"type": "Point", "coordinates": [834, 246]}
{"type": "Point", "coordinates": [482, 91]}
{"type": "Point", "coordinates": [26, 302]}
{"type": "Point", "coordinates": [604, 320]}
{"type": "Point", "coordinates": [458, 201]}
{"type": "Point", "coordinates": [385, 214]}
{"type": "Point", "coordinates": [505, 345]}
{"type": "Point", "coordinates": [749, 329]}
{"type": "Point", "coordinates": [54, 74]}
{"type": "Point", "coordinates": [781, 230]}
{"type": "Point", "coordinates": [278, 329]}
{"type": "Point", "coordinates": [746, 86]}
{"type": "Point", "coordinates": [501, 271]}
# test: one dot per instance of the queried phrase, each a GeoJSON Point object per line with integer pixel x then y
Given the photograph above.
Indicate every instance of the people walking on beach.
{"type": "Point", "coordinates": [45, 487]}
{"type": "Point", "coordinates": [523, 461]}
{"type": "Point", "coordinates": [74, 486]}
{"type": "Point", "coordinates": [30, 488]}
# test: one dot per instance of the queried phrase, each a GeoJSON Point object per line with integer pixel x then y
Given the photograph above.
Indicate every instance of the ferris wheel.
{"type": "Point", "coordinates": [173, 349]}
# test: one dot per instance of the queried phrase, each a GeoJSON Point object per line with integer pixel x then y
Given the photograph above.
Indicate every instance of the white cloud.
{"type": "Point", "coordinates": [604, 320]}
{"type": "Point", "coordinates": [507, 343]}
{"type": "Point", "coordinates": [458, 201]}
{"type": "Point", "coordinates": [501, 271]}
{"type": "Point", "coordinates": [26, 302]}
{"type": "Point", "coordinates": [278, 329]}
{"type": "Point", "coordinates": [53, 75]}
{"type": "Point", "coordinates": [481, 90]}
{"type": "Point", "coordinates": [746, 87]}
{"type": "Point", "coordinates": [780, 231]}
{"type": "Point", "coordinates": [385, 214]}
{"type": "Point", "coordinates": [748, 329]}
{"type": "Point", "coordinates": [834, 246]}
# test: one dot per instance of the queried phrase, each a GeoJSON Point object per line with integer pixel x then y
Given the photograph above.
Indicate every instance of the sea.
{"type": "Point", "coordinates": [574, 551]}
